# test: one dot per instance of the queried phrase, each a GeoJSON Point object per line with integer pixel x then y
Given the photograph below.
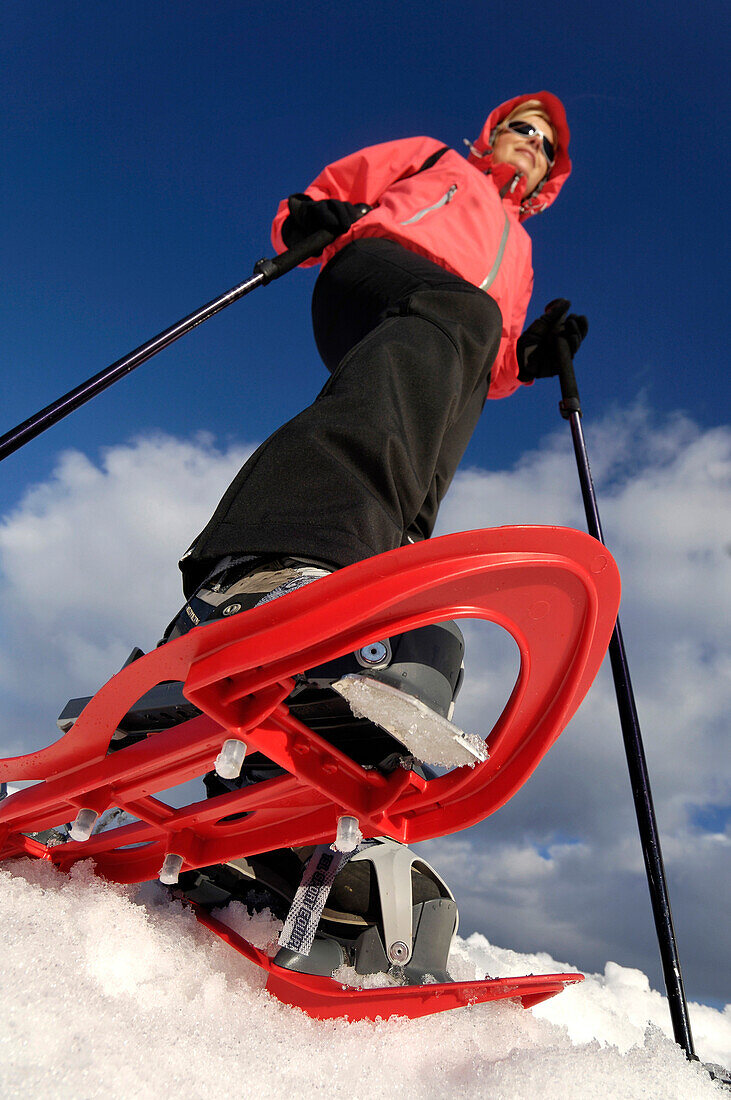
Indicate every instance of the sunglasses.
{"type": "Point", "coordinates": [525, 129]}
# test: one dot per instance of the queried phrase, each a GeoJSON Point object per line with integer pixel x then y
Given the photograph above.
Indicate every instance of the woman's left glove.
{"type": "Point", "coordinates": [537, 348]}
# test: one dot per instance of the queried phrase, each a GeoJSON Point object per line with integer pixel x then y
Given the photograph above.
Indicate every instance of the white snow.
{"type": "Point", "coordinates": [113, 991]}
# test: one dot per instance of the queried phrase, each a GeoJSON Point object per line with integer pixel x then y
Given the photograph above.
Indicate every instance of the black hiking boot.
{"type": "Point", "coordinates": [406, 685]}
{"type": "Point", "coordinates": [240, 586]}
{"type": "Point", "coordinates": [393, 696]}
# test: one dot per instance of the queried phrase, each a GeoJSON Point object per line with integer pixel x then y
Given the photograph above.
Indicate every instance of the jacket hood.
{"type": "Point", "coordinates": [481, 154]}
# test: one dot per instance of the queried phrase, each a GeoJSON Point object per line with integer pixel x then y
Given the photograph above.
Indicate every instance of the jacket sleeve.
{"type": "Point", "coordinates": [504, 374]}
{"type": "Point", "coordinates": [362, 177]}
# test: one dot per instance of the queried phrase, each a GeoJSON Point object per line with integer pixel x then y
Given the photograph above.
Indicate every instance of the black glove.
{"type": "Point", "coordinates": [307, 215]}
{"type": "Point", "coordinates": [537, 348]}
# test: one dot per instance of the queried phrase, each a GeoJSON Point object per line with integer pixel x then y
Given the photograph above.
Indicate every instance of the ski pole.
{"type": "Point", "coordinates": [264, 272]}
{"type": "Point", "coordinates": [570, 408]}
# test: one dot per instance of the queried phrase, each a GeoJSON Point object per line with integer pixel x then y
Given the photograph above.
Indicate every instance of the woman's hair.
{"type": "Point", "coordinates": [529, 107]}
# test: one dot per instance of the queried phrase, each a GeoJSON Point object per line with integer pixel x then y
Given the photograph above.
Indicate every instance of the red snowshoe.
{"type": "Point", "coordinates": [228, 691]}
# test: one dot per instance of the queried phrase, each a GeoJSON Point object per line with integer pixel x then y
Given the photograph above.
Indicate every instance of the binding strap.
{"type": "Point", "coordinates": [298, 933]}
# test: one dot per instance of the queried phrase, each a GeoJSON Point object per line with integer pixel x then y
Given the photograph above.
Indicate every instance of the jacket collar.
{"type": "Point", "coordinates": [547, 191]}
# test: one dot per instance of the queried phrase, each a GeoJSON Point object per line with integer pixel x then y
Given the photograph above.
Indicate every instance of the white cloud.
{"type": "Point", "coordinates": [88, 562]}
{"type": "Point", "coordinates": [663, 492]}
{"type": "Point", "coordinates": [89, 569]}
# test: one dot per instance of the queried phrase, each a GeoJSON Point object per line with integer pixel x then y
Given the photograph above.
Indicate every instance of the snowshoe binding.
{"type": "Point", "coordinates": [379, 910]}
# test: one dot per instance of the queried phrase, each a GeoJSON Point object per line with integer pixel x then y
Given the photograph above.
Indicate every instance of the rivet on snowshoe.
{"type": "Point", "coordinates": [399, 952]}
{"type": "Point", "coordinates": [170, 869]}
{"type": "Point", "coordinates": [83, 825]}
{"type": "Point", "coordinates": [348, 836]}
{"type": "Point", "coordinates": [231, 609]}
{"type": "Point", "coordinates": [230, 759]}
{"type": "Point", "coordinates": [374, 655]}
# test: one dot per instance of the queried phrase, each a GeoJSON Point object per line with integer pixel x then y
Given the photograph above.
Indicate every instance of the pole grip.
{"type": "Point", "coordinates": [286, 261]}
{"type": "Point", "coordinates": [570, 401]}
{"type": "Point", "coordinates": [306, 249]}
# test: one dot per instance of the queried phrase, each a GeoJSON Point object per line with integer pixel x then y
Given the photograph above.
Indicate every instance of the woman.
{"type": "Point", "coordinates": [418, 314]}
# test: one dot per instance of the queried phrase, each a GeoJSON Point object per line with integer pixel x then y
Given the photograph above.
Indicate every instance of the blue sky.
{"type": "Point", "coordinates": [146, 147]}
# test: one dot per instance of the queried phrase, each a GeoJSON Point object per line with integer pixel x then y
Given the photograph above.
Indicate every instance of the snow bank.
{"type": "Point", "coordinates": [117, 991]}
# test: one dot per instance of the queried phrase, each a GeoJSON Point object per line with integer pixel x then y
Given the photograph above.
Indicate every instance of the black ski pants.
{"type": "Point", "coordinates": [364, 468]}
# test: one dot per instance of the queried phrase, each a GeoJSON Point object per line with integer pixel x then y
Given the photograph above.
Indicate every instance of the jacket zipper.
{"type": "Point", "coordinates": [435, 206]}
{"type": "Point", "coordinates": [492, 274]}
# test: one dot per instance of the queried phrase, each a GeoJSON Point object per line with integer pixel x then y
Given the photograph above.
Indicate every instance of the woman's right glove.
{"type": "Point", "coordinates": [537, 347]}
{"type": "Point", "coordinates": [307, 215]}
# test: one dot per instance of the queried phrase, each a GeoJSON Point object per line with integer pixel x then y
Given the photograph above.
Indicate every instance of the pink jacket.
{"type": "Point", "coordinates": [464, 214]}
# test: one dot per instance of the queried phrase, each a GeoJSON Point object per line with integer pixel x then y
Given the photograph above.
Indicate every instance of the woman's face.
{"type": "Point", "coordinates": [525, 153]}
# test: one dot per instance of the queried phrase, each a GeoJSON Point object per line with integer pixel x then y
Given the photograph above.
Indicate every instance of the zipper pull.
{"type": "Point", "coordinates": [475, 152]}
{"type": "Point", "coordinates": [509, 188]}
